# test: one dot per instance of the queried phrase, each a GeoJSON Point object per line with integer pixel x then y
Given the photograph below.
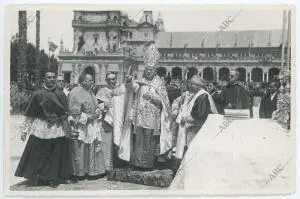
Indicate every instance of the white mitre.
{"type": "Point", "coordinates": [151, 56]}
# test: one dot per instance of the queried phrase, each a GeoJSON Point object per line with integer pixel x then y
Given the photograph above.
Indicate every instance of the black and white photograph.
{"type": "Point", "coordinates": [150, 99]}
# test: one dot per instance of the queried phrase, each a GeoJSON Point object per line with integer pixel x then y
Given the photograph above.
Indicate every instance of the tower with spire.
{"type": "Point", "coordinates": [61, 48]}
{"type": "Point", "coordinates": [160, 23]}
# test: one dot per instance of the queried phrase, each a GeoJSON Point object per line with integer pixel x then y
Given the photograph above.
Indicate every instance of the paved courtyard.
{"type": "Point", "coordinates": [253, 162]}
{"type": "Point", "coordinates": [21, 184]}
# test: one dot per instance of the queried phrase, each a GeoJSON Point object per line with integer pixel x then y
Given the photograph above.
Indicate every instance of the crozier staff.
{"type": "Point", "coordinates": [151, 115]}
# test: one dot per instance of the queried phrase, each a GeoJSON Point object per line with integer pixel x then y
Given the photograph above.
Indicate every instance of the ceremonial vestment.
{"type": "Point", "coordinates": [86, 150]}
{"type": "Point", "coordinates": [191, 117]}
{"type": "Point", "coordinates": [105, 96]}
{"type": "Point", "coordinates": [151, 118]}
{"type": "Point", "coordinates": [46, 156]}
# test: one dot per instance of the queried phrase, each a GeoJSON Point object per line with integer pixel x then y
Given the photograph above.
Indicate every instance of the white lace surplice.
{"type": "Point", "coordinates": [89, 133]}
{"type": "Point", "coordinates": [81, 98]}
{"type": "Point", "coordinates": [39, 128]}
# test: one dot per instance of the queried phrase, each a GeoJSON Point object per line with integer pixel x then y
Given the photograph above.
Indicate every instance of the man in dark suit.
{"type": "Point", "coordinates": [216, 95]}
{"type": "Point", "coordinates": [269, 101]}
{"type": "Point", "coordinates": [235, 96]}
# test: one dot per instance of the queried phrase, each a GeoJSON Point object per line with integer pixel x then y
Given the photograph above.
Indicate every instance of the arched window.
{"type": "Point", "coordinates": [146, 18]}
{"type": "Point", "coordinates": [115, 18]}
{"type": "Point", "coordinates": [257, 75]}
{"type": "Point", "coordinates": [176, 73]}
{"type": "Point", "coordinates": [223, 73]}
{"type": "Point", "coordinates": [242, 72]}
{"type": "Point", "coordinates": [273, 72]}
{"type": "Point", "coordinates": [208, 74]}
{"type": "Point", "coordinates": [161, 71]}
{"type": "Point", "coordinates": [192, 71]}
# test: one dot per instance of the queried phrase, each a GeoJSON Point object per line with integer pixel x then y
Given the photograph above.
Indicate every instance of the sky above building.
{"type": "Point", "coordinates": [56, 22]}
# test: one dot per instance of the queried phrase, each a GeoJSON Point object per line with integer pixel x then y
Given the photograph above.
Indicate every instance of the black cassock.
{"type": "Point", "coordinates": [237, 96]}
{"type": "Point", "coordinates": [47, 159]}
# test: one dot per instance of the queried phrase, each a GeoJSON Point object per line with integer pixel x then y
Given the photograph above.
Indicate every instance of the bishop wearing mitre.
{"type": "Point", "coordinates": [143, 132]}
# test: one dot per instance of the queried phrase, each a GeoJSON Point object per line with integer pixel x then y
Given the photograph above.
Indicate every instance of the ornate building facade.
{"type": "Point", "coordinates": [109, 41]}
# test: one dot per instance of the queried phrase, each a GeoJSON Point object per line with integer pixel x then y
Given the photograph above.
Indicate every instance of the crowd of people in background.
{"type": "Point", "coordinates": [84, 131]}
{"type": "Point", "coordinates": [79, 131]}
{"type": "Point", "coordinates": [263, 96]}
{"type": "Point", "coordinates": [57, 106]}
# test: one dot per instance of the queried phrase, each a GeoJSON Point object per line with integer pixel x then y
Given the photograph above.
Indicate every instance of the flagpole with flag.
{"type": "Point", "coordinates": [52, 47]}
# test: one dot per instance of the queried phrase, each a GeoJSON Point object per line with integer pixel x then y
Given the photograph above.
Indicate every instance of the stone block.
{"type": "Point", "coordinates": [157, 178]}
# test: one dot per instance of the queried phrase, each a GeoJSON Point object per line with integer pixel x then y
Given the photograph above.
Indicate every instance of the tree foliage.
{"type": "Point", "coordinates": [14, 52]}
{"type": "Point", "coordinates": [34, 73]}
{"type": "Point", "coordinates": [35, 69]}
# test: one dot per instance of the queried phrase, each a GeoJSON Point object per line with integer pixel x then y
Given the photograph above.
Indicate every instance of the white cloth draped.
{"type": "Point", "coordinates": [80, 98]}
{"type": "Point", "coordinates": [185, 112]}
{"type": "Point", "coordinates": [122, 129]}
{"type": "Point", "coordinates": [88, 133]}
{"type": "Point", "coordinates": [237, 157]}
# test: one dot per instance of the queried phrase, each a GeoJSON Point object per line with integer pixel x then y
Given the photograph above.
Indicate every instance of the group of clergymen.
{"type": "Point", "coordinates": [52, 155]}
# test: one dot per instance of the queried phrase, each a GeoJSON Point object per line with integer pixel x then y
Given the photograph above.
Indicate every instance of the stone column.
{"type": "Point", "coordinates": [72, 76]}
{"type": "Point", "coordinates": [103, 73]}
{"type": "Point", "coordinates": [78, 71]}
{"type": "Point", "coordinates": [267, 77]}
{"type": "Point", "coordinates": [97, 74]}
{"type": "Point", "coordinates": [217, 73]}
{"type": "Point", "coordinates": [59, 69]}
{"type": "Point", "coordinates": [169, 69]}
{"type": "Point", "coordinates": [250, 76]}
{"type": "Point", "coordinates": [263, 77]}
{"type": "Point", "coordinates": [247, 73]}
{"type": "Point", "coordinates": [199, 69]}
{"type": "Point", "coordinates": [100, 73]}
{"type": "Point", "coordinates": [200, 72]}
